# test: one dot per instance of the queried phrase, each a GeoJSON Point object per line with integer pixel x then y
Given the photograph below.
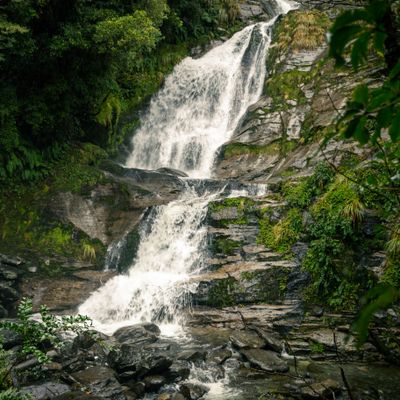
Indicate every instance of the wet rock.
{"type": "Point", "coordinates": [138, 334]}
{"type": "Point", "coordinates": [271, 339]}
{"type": "Point", "coordinates": [326, 389]}
{"type": "Point", "coordinates": [154, 382]}
{"type": "Point", "coordinates": [76, 396]}
{"type": "Point", "coordinates": [12, 261]}
{"type": "Point", "coordinates": [46, 390]}
{"type": "Point", "coordinates": [178, 371]}
{"type": "Point", "coordinates": [218, 356]}
{"type": "Point", "coordinates": [137, 388]}
{"type": "Point", "coordinates": [172, 171]}
{"type": "Point", "coordinates": [8, 273]}
{"type": "Point", "coordinates": [133, 361]}
{"type": "Point", "coordinates": [8, 294]}
{"type": "Point", "coordinates": [101, 381]}
{"type": "Point", "coordinates": [10, 338]}
{"type": "Point", "coordinates": [192, 355]}
{"type": "Point", "coordinates": [246, 340]}
{"type": "Point", "coordinates": [266, 360]}
{"type": "Point", "coordinates": [171, 396]}
{"type": "Point", "coordinates": [192, 391]}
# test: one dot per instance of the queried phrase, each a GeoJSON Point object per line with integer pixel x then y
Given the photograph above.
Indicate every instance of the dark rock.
{"type": "Point", "coordinates": [192, 391]}
{"type": "Point", "coordinates": [76, 396]}
{"type": "Point", "coordinates": [45, 391]}
{"type": "Point", "coordinates": [10, 338]}
{"type": "Point", "coordinates": [137, 388]}
{"type": "Point", "coordinates": [218, 356]}
{"type": "Point", "coordinates": [172, 171]}
{"type": "Point", "coordinates": [101, 381]}
{"type": "Point", "coordinates": [192, 355]}
{"type": "Point", "coordinates": [13, 261]}
{"type": "Point", "coordinates": [8, 294]}
{"type": "Point", "coordinates": [154, 382]}
{"type": "Point", "coordinates": [8, 272]}
{"type": "Point", "coordinates": [171, 396]}
{"type": "Point", "coordinates": [179, 371]}
{"type": "Point", "coordinates": [3, 312]}
{"type": "Point", "coordinates": [139, 361]}
{"type": "Point", "coordinates": [247, 340]}
{"type": "Point", "coordinates": [272, 340]}
{"type": "Point", "coordinates": [326, 389]}
{"type": "Point", "coordinates": [138, 334]}
{"type": "Point", "coordinates": [265, 360]}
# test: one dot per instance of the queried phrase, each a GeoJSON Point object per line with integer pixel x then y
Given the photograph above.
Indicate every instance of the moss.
{"type": "Point", "coordinates": [238, 149]}
{"type": "Point", "coordinates": [317, 348]}
{"type": "Point", "coordinates": [281, 236]}
{"type": "Point", "coordinates": [245, 207]}
{"type": "Point", "coordinates": [287, 86]}
{"type": "Point", "coordinates": [222, 293]}
{"type": "Point", "coordinates": [225, 246]}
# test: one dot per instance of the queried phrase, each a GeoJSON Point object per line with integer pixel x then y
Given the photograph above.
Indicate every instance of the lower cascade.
{"type": "Point", "coordinates": [192, 116]}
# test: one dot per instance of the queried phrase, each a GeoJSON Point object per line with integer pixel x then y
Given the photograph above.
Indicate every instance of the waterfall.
{"type": "Point", "coordinates": [201, 104]}
{"type": "Point", "coordinates": [196, 112]}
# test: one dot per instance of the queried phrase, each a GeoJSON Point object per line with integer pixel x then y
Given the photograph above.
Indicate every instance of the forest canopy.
{"type": "Point", "coordinates": [69, 68]}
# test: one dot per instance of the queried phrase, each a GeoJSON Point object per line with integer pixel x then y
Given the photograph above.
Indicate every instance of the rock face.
{"type": "Point", "coordinates": [10, 274]}
{"type": "Point", "coordinates": [110, 210]}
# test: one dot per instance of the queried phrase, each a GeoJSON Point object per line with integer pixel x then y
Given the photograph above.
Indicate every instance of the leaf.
{"type": "Point", "coordinates": [379, 42]}
{"type": "Point", "coordinates": [378, 99]}
{"type": "Point", "coordinates": [395, 71]}
{"type": "Point", "coordinates": [384, 117]}
{"type": "Point", "coordinates": [360, 132]}
{"type": "Point", "coordinates": [394, 130]}
{"type": "Point", "coordinates": [360, 94]}
{"type": "Point", "coordinates": [339, 40]}
{"type": "Point", "coordinates": [378, 298]}
{"type": "Point", "coordinates": [360, 50]}
{"type": "Point", "coordinates": [349, 131]}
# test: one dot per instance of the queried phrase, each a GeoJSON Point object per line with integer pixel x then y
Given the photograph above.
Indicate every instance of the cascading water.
{"type": "Point", "coordinates": [192, 116]}
{"type": "Point", "coordinates": [201, 104]}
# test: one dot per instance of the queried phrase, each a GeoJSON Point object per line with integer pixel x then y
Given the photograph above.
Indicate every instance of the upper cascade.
{"type": "Point", "coordinates": [201, 104]}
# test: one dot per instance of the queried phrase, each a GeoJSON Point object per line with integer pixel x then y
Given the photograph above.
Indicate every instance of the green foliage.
{"type": "Point", "coordinates": [371, 110]}
{"type": "Point", "coordinates": [281, 236]}
{"type": "Point", "coordinates": [71, 69]}
{"type": "Point", "coordinates": [378, 298]}
{"type": "Point", "coordinates": [38, 336]}
{"type": "Point", "coordinates": [301, 194]}
{"type": "Point", "coordinates": [317, 348]}
{"type": "Point", "coordinates": [14, 394]}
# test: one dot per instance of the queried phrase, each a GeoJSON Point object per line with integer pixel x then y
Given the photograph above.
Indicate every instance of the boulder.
{"type": "Point", "coordinates": [218, 356]}
{"type": "Point", "coordinates": [246, 340]}
{"type": "Point", "coordinates": [327, 389]}
{"type": "Point", "coordinates": [138, 334]}
{"type": "Point", "coordinates": [154, 382]}
{"type": "Point", "coordinates": [193, 391]}
{"type": "Point", "coordinates": [46, 391]}
{"type": "Point", "coordinates": [266, 360]}
{"type": "Point", "coordinates": [101, 381]}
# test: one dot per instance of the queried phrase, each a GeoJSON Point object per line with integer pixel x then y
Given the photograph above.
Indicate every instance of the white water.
{"type": "Point", "coordinates": [156, 286]}
{"type": "Point", "coordinates": [201, 104]}
{"type": "Point", "coordinates": [192, 116]}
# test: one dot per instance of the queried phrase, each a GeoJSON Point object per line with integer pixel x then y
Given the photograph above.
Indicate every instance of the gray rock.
{"type": "Point", "coordinates": [7, 293]}
{"type": "Point", "coordinates": [193, 391]}
{"type": "Point", "coordinates": [272, 340]}
{"type": "Point", "coordinates": [101, 381]}
{"type": "Point", "coordinates": [266, 360]}
{"type": "Point", "coordinates": [140, 333]}
{"type": "Point", "coordinates": [13, 261]}
{"type": "Point", "coordinates": [10, 338]}
{"type": "Point", "coordinates": [136, 361]}
{"type": "Point", "coordinates": [8, 273]}
{"type": "Point", "coordinates": [76, 396]}
{"type": "Point", "coordinates": [154, 382]}
{"type": "Point", "coordinates": [179, 371]}
{"type": "Point", "coordinates": [247, 340]}
{"type": "Point", "coordinates": [218, 356]}
{"type": "Point", "coordinates": [326, 389]}
{"type": "Point", "coordinates": [192, 355]}
{"type": "Point", "coordinates": [45, 391]}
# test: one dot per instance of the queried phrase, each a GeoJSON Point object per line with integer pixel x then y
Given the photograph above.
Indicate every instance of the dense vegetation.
{"type": "Point", "coordinates": [70, 69]}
